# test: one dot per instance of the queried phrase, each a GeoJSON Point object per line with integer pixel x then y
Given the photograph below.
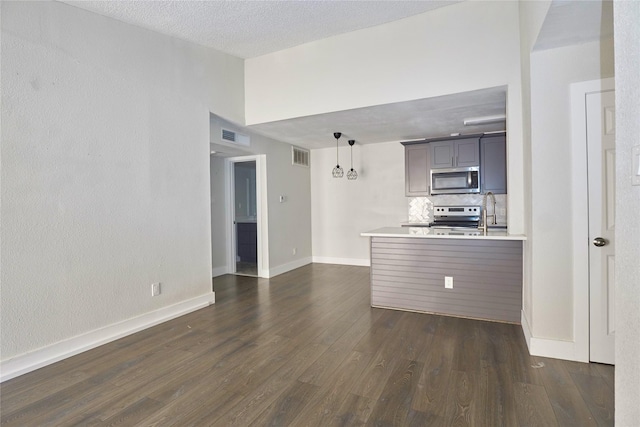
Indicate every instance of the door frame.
{"type": "Point", "coordinates": [580, 205]}
{"type": "Point", "coordinates": [261, 212]}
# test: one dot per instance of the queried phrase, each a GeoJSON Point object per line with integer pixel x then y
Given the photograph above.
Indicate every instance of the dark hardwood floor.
{"type": "Point", "coordinates": [305, 348]}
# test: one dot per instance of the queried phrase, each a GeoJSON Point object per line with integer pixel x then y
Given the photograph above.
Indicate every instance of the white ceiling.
{"type": "Point", "coordinates": [247, 29]}
{"type": "Point", "coordinates": [400, 121]}
{"type": "Point", "coordinates": [571, 22]}
{"type": "Point", "coordinates": [251, 28]}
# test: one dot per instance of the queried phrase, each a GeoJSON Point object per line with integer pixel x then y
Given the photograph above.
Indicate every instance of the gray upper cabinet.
{"type": "Point", "coordinates": [489, 152]}
{"type": "Point", "coordinates": [455, 153]}
{"type": "Point", "coordinates": [493, 158]}
{"type": "Point", "coordinates": [442, 154]}
{"type": "Point", "coordinates": [416, 168]}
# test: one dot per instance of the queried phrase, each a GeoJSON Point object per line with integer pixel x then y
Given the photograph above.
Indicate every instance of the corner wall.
{"type": "Point", "coordinates": [627, 58]}
{"type": "Point", "coordinates": [342, 209]}
{"type": "Point", "coordinates": [289, 223]}
{"type": "Point", "coordinates": [552, 283]}
{"type": "Point", "coordinates": [105, 175]}
{"type": "Point", "coordinates": [532, 15]}
{"type": "Point", "coordinates": [218, 212]}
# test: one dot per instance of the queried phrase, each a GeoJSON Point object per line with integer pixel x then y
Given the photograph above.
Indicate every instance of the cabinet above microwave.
{"type": "Point", "coordinates": [485, 152]}
{"type": "Point", "coordinates": [455, 153]}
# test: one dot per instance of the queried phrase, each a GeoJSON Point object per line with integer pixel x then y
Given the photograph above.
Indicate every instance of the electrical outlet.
{"type": "Point", "coordinates": [155, 289]}
{"type": "Point", "coordinates": [294, 251]}
{"type": "Point", "coordinates": [448, 282]}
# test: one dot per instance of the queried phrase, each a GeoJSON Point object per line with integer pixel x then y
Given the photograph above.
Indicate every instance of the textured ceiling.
{"type": "Point", "coordinates": [570, 22]}
{"type": "Point", "coordinates": [252, 28]}
{"type": "Point", "coordinates": [429, 117]}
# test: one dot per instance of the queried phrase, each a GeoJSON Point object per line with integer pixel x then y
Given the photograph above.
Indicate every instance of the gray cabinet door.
{"type": "Point", "coordinates": [493, 170]}
{"type": "Point", "coordinates": [416, 168]}
{"type": "Point", "coordinates": [455, 153]}
{"type": "Point", "coordinates": [467, 152]}
{"type": "Point", "coordinates": [442, 154]}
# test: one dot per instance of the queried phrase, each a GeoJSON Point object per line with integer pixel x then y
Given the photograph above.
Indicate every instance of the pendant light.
{"type": "Point", "coordinates": [352, 174]}
{"type": "Point", "coordinates": [338, 172]}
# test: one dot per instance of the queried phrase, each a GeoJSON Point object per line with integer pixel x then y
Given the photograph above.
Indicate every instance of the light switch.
{"type": "Point", "coordinates": [635, 172]}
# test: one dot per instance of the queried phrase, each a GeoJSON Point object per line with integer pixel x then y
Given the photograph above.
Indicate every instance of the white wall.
{"type": "Point", "coordinates": [289, 222]}
{"type": "Point", "coordinates": [218, 212]}
{"type": "Point", "coordinates": [395, 62]}
{"type": "Point", "coordinates": [105, 170]}
{"type": "Point", "coordinates": [463, 47]}
{"type": "Point", "coordinates": [342, 209]}
{"type": "Point", "coordinates": [552, 72]}
{"type": "Point", "coordinates": [532, 15]}
{"type": "Point", "coordinates": [627, 59]}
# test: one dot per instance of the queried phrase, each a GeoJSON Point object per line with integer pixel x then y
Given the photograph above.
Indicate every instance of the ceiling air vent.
{"type": "Point", "coordinates": [300, 156]}
{"type": "Point", "coordinates": [235, 138]}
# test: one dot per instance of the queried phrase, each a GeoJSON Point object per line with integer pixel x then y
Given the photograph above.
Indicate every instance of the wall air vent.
{"type": "Point", "coordinates": [228, 135]}
{"type": "Point", "coordinates": [300, 156]}
{"type": "Point", "coordinates": [235, 138]}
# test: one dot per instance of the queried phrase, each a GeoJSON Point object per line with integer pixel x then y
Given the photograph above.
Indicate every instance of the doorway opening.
{"type": "Point", "coordinates": [247, 240]}
{"type": "Point", "coordinates": [245, 218]}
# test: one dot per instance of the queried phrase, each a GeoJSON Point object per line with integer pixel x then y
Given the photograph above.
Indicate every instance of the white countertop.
{"type": "Point", "coordinates": [443, 233]}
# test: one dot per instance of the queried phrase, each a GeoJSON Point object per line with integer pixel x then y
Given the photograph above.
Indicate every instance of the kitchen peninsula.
{"type": "Point", "coordinates": [464, 273]}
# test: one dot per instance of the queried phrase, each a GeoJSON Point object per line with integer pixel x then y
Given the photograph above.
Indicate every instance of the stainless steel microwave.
{"type": "Point", "coordinates": [455, 180]}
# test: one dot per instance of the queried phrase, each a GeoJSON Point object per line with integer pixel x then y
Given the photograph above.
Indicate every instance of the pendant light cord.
{"type": "Point", "coordinates": [351, 144]}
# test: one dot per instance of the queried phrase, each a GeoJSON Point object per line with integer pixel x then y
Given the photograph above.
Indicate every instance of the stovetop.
{"type": "Point", "coordinates": [456, 216]}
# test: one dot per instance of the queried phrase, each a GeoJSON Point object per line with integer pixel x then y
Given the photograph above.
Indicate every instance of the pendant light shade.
{"type": "Point", "coordinates": [338, 172]}
{"type": "Point", "coordinates": [352, 174]}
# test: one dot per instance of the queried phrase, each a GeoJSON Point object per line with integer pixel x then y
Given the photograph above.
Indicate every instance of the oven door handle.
{"type": "Point", "coordinates": [469, 179]}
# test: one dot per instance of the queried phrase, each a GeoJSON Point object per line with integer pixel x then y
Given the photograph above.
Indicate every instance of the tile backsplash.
{"type": "Point", "coordinates": [421, 208]}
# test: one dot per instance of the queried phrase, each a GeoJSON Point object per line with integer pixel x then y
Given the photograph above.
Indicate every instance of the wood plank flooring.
{"type": "Point", "coordinates": [306, 349]}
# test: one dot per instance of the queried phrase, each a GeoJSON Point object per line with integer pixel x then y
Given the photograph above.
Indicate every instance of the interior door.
{"type": "Point", "coordinates": [601, 181]}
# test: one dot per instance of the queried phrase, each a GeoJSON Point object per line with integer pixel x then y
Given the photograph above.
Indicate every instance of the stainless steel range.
{"type": "Point", "coordinates": [456, 216]}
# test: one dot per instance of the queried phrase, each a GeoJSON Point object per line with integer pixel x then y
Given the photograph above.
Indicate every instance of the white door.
{"type": "Point", "coordinates": [601, 181]}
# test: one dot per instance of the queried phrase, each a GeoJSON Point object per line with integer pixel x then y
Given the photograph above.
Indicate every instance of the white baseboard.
{"type": "Point", "coordinates": [526, 330]}
{"type": "Point", "coordinates": [342, 261]}
{"type": "Point", "coordinates": [272, 272]}
{"type": "Point", "coordinates": [219, 271]}
{"type": "Point", "coordinates": [44, 356]}
{"type": "Point", "coordinates": [545, 347]}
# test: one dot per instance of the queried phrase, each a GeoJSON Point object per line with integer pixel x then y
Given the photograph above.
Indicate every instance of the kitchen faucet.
{"type": "Point", "coordinates": [485, 216]}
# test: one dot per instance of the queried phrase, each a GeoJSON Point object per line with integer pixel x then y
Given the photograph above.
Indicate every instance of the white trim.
{"type": "Point", "coordinates": [580, 208]}
{"type": "Point", "coordinates": [544, 347]}
{"type": "Point", "coordinates": [342, 261]}
{"type": "Point", "coordinates": [219, 271]}
{"type": "Point", "coordinates": [229, 214]}
{"type": "Point", "coordinates": [261, 214]}
{"type": "Point", "coordinates": [44, 356]}
{"type": "Point", "coordinates": [288, 267]}
{"type": "Point", "coordinates": [556, 349]}
{"type": "Point", "coordinates": [526, 329]}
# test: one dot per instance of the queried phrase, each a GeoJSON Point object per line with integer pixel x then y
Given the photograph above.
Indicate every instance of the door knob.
{"type": "Point", "coordinates": [599, 242]}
